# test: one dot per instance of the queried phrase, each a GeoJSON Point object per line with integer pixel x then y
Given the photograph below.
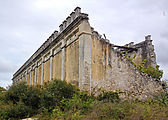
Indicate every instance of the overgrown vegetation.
{"type": "Point", "coordinates": [60, 100]}
{"type": "Point", "coordinates": [153, 72]}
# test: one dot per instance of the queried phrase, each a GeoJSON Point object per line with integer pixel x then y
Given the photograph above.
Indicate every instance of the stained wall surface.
{"type": "Point", "coordinates": [112, 71]}
{"type": "Point", "coordinates": [46, 71]}
{"type": "Point", "coordinates": [57, 60]}
{"type": "Point", "coordinates": [39, 75]}
{"type": "Point", "coordinates": [72, 63]}
{"type": "Point", "coordinates": [33, 77]}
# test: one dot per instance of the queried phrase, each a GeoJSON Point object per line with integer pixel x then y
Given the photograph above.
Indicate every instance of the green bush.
{"type": "Point", "coordinates": [60, 100]}
{"type": "Point", "coordinates": [80, 101]}
{"type": "Point", "coordinates": [24, 101]}
{"type": "Point", "coordinates": [4, 110]}
{"type": "Point", "coordinates": [154, 72]}
{"type": "Point", "coordinates": [16, 92]}
{"type": "Point", "coordinates": [19, 111]}
{"type": "Point", "coordinates": [54, 91]}
{"type": "Point", "coordinates": [15, 111]}
{"type": "Point", "coordinates": [32, 97]}
{"type": "Point", "coordinates": [29, 95]}
{"type": "Point", "coordinates": [162, 98]}
{"type": "Point", "coordinates": [109, 96]}
{"type": "Point", "coordinates": [74, 108]}
{"type": "Point", "coordinates": [2, 93]}
{"type": "Point", "coordinates": [2, 89]}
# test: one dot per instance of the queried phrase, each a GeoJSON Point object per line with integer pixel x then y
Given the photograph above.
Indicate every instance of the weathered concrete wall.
{"type": "Point", "coordinates": [72, 63]}
{"type": "Point", "coordinates": [39, 75]}
{"type": "Point", "coordinates": [99, 59]}
{"type": "Point", "coordinates": [46, 71]}
{"type": "Point", "coordinates": [112, 71]}
{"type": "Point", "coordinates": [28, 78]}
{"type": "Point", "coordinates": [24, 79]}
{"type": "Point", "coordinates": [57, 60]}
{"type": "Point", "coordinates": [33, 77]}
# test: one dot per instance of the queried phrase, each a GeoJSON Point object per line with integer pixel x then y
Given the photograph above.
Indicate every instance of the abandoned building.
{"type": "Point", "coordinates": [80, 55]}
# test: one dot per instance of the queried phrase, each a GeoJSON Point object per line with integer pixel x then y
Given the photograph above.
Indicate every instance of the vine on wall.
{"type": "Point", "coordinates": [154, 72]}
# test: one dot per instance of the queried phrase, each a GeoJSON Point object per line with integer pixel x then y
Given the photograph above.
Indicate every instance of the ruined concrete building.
{"type": "Point", "coordinates": [79, 55]}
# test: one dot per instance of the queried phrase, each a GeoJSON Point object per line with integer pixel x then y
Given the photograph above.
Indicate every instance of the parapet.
{"type": "Point", "coordinates": [70, 19]}
{"type": "Point", "coordinates": [54, 37]}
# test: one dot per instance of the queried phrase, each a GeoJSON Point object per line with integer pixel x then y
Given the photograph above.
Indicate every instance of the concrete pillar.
{"type": "Point", "coordinates": [35, 75]}
{"type": "Point", "coordinates": [42, 70]}
{"type": "Point", "coordinates": [63, 60]}
{"type": "Point", "coordinates": [30, 77]}
{"type": "Point", "coordinates": [81, 61]}
{"type": "Point", "coordinates": [85, 73]}
{"type": "Point", "coordinates": [26, 78]}
{"type": "Point", "coordinates": [51, 63]}
{"type": "Point", "coordinates": [85, 62]}
{"type": "Point", "coordinates": [21, 77]}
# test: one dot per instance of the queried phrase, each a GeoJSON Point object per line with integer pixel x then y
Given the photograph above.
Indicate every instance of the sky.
{"type": "Point", "coordinates": [26, 24]}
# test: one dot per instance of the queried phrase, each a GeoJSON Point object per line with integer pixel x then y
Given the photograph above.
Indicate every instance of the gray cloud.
{"type": "Point", "coordinates": [26, 24]}
{"type": "Point", "coordinates": [6, 66]}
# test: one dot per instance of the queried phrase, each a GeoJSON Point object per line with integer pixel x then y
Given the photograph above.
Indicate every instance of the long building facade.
{"type": "Point", "coordinates": [79, 55]}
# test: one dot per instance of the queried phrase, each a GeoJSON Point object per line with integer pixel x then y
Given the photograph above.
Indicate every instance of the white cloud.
{"type": "Point", "coordinates": [26, 24]}
{"type": "Point", "coordinates": [6, 66]}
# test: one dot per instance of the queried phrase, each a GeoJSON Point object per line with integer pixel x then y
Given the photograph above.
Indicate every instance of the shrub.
{"type": "Point", "coordinates": [19, 111]}
{"type": "Point", "coordinates": [113, 112]}
{"type": "Point", "coordinates": [2, 89]}
{"type": "Point", "coordinates": [16, 92]}
{"type": "Point", "coordinates": [153, 72]}
{"type": "Point", "coordinates": [2, 93]}
{"type": "Point", "coordinates": [55, 91]}
{"type": "Point", "coordinates": [4, 110]}
{"type": "Point", "coordinates": [80, 101]}
{"type": "Point", "coordinates": [109, 96]}
{"type": "Point", "coordinates": [29, 95]}
{"type": "Point", "coordinates": [162, 98]}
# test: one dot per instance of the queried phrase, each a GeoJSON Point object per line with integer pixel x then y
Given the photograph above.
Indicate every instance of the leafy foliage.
{"type": "Point", "coordinates": [18, 111]}
{"type": "Point", "coordinates": [20, 101]}
{"type": "Point", "coordinates": [109, 96]}
{"type": "Point", "coordinates": [154, 72]}
{"type": "Point", "coordinates": [55, 91]}
{"type": "Point", "coordinates": [60, 100]}
{"type": "Point", "coordinates": [2, 89]}
{"type": "Point", "coordinates": [29, 95]}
